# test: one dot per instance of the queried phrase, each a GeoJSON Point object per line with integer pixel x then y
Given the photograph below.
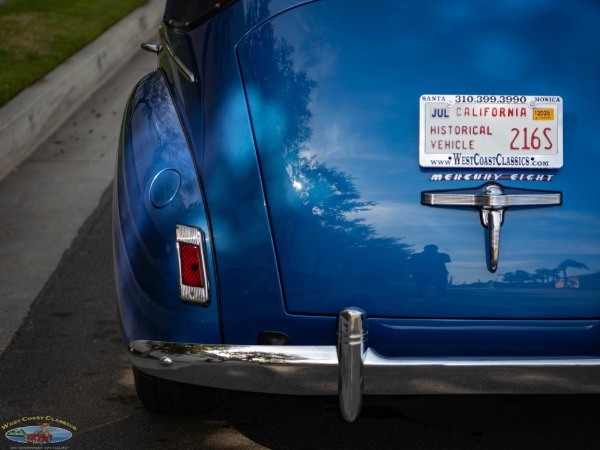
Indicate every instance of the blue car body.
{"type": "Point", "coordinates": [288, 132]}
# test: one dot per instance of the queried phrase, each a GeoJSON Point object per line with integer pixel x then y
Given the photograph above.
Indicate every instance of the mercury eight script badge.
{"type": "Point", "coordinates": [491, 131]}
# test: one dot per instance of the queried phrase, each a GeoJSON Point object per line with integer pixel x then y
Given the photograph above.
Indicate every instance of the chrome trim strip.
{"type": "Point", "coordinates": [491, 200]}
{"type": "Point", "coordinates": [491, 195]}
{"type": "Point", "coordinates": [187, 73]}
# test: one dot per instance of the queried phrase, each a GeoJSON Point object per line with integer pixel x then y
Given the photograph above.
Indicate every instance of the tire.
{"type": "Point", "coordinates": [169, 397]}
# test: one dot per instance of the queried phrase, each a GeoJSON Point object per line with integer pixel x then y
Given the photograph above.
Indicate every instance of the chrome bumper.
{"type": "Point", "coordinates": [352, 369]}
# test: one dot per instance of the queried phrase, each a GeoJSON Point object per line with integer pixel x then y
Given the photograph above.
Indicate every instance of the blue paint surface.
{"type": "Point", "coordinates": [298, 155]}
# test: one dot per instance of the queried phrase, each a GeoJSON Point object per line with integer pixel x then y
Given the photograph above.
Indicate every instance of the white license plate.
{"type": "Point", "coordinates": [491, 131]}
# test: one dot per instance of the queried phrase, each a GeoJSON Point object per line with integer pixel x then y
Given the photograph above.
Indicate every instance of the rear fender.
{"type": "Point", "coordinates": [156, 187]}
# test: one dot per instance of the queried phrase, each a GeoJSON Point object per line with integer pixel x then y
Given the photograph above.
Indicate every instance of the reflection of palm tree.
{"type": "Point", "coordinates": [570, 263]}
{"type": "Point", "coordinates": [522, 276]}
{"type": "Point", "coordinates": [508, 277]}
{"type": "Point", "coordinates": [518, 277]}
{"type": "Point", "coordinates": [546, 275]}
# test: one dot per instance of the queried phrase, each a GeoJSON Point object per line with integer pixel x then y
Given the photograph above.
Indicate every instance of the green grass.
{"type": "Point", "coordinates": [36, 36]}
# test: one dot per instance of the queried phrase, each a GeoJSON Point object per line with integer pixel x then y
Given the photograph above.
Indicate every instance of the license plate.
{"type": "Point", "coordinates": [491, 131]}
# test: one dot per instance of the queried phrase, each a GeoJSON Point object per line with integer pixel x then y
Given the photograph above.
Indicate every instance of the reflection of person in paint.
{"type": "Point", "coordinates": [429, 269]}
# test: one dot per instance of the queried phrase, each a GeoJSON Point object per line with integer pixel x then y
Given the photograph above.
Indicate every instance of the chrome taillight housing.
{"type": "Point", "coordinates": [191, 256]}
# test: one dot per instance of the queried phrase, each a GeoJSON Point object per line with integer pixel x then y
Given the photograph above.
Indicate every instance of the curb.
{"type": "Point", "coordinates": [29, 118]}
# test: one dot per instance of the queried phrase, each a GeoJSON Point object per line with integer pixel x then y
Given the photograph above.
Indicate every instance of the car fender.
{"type": "Point", "coordinates": [156, 187]}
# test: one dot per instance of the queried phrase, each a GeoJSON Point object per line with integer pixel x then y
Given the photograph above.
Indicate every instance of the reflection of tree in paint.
{"type": "Point", "coordinates": [570, 263]}
{"type": "Point", "coordinates": [321, 241]}
{"type": "Point", "coordinates": [546, 276]}
{"type": "Point", "coordinates": [317, 204]}
{"type": "Point", "coordinates": [552, 278]}
{"type": "Point", "coordinates": [518, 277]}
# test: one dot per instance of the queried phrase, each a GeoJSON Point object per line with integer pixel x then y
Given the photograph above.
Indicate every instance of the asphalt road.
{"type": "Point", "coordinates": [67, 363]}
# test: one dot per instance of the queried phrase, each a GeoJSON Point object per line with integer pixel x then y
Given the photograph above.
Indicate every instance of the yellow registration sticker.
{"type": "Point", "coordinates": [543, 114]}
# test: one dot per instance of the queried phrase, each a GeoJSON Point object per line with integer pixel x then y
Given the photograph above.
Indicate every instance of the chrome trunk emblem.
{"type": "Point", "coordinates": [491, 200]}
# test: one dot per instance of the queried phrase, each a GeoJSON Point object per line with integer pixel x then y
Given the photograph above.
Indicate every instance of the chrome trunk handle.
{"type": "Point", "coordinates": [491, 200]}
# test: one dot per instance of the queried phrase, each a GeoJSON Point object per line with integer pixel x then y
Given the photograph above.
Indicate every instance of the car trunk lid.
{"type": "Point", "coordinates": [337, 121]}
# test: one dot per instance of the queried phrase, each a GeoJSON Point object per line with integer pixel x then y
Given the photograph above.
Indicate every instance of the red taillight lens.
{"type": "Point", "coordinates": [193, 270]}
{"type": "Point", "coordinates": [191, 265]}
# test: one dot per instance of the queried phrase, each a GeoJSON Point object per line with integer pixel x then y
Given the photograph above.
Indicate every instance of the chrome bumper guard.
{"type": "Point", "coordinates": [351, 369]}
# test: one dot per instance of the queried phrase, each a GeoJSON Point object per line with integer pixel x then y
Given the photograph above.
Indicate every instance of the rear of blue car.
{"type": "Point", "coordinates": [350, 198]}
